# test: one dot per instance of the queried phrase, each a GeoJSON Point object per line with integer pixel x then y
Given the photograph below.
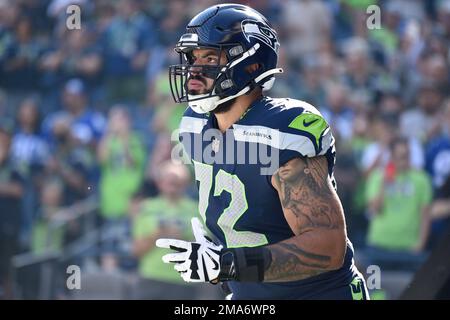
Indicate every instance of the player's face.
{"type": "Point", "coordinates": [199, 83]}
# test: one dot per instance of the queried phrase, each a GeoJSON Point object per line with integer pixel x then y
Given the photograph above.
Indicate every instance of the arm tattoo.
{"type": "Point", "coordinates": [289, 262]}
{"type": "Point", "coordinates": [315, 215]}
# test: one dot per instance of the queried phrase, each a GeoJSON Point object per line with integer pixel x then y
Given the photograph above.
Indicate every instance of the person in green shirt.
{"type": "Point", "coordinates": [398, 199]}
{"type": "Point", "coordinates": [47, 235]}
{"type": "Point", "coordinates": [168, 114]}
{"type": "Point", "coordinates": [167, 215]}
{"type": "Point", "coordinates": [122, 159]}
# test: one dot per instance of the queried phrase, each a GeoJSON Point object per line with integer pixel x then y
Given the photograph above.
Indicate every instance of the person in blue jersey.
{"type": "Point", "coordinates": [279, 233]}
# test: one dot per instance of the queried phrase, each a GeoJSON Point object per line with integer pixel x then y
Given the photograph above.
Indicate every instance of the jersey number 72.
{"type": "Point", "coordinates": [230, 183]}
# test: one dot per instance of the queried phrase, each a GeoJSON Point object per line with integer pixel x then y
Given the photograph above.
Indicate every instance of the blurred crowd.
{"type": "Point", "coordinates": [88, 114]}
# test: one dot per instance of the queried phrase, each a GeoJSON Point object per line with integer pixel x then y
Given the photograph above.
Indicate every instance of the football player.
{"type": "Point", "coordinates": [280, 235]}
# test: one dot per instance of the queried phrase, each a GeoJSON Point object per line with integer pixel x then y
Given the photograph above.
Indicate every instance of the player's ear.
{"type": "Point", "coordinates": [223, 58]}
{"type": "Point", "coordinates": [252, 68]}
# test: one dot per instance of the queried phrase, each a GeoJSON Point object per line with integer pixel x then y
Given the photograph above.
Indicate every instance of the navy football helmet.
{"type": "Point", "coordinates": [246, 38]}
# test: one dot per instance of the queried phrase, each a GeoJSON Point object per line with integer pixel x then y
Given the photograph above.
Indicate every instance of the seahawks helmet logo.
{"type": "Point", "coordinates": [255, 29]}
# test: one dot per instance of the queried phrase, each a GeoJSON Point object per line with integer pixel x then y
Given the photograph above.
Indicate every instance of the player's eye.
{"type": "Point", "coordinates": [211, 59]}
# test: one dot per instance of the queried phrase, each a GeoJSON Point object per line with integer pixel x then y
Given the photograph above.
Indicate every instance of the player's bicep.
{"type": "Point", "coordinates": [306, 194]}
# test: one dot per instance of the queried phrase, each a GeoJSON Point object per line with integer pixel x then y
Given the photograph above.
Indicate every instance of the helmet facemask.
{"type": "Point", "coordinates": [181, 73]}
{"type": "Point", "coordinates": [223, 88]}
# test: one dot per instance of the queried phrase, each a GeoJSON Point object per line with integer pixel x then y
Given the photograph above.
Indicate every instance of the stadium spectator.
{"type": "Point", "coordinates": [86, 125]}
{"type": "Point", "coordinates": [336, 110]}
{"type": "Point", "coordinates": [29, 153]}
{"type": "Point", "coordinates": [48, 235]}
{"type": "Point", "coordinates": [75, 57]}
{"type": "Point", "coordinates": [425, 117]}
{"type": "Point", "coordinates": [122, 159]}
{"type": "Point", "coordinates": [11, 191]}
{"type": "Point", "coordinates": [398, 199]}
{"type": "Point", "coordinates": [23, 52]}
{"type": "Point", "coordinates": [167, 114]}
{"type": "Point", "coordinates": [359, 75]}
{"type": "Point", "coordinates": [438, 166]}
{"type": "Point", "coordinates": [9, 13]}
{"type": "Point", "coordinates": [29, 150]}
{"type": "Point", "coordinates": [306, 26]}
{"type": "Point", "coordinates": [354, 178]}
{"type": "Point", "coordinates": [167, 215]}
{"type": "Point", "coordinates": [126, 43]}
{"type": "Point", "coordinates": [443, 19]}
{"type": "Point", "coordinates": [71, 161]}
{"type": "Point", "coordinates": [438, 150]}
{"type": "Point", "coordinates": [391, 104]}
{"type": "Point", "coordinates": [311, 87]}
{"type": "Point", "coordinates": [377, 153]}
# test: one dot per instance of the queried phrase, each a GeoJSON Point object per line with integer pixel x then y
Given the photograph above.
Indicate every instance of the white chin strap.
{"type": "Point", "coordinates": [204, 103]}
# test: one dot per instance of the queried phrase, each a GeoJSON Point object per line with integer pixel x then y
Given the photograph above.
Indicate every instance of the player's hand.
{"type": "Point", "coordinates": [197, 261]}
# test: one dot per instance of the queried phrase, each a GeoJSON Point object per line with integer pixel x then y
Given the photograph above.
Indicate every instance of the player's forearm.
{"type": "Point", "coordinates": [306, 255]}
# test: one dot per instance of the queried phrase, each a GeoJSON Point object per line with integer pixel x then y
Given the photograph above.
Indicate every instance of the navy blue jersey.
{"type": "Point", "coordinates": [237, 201]}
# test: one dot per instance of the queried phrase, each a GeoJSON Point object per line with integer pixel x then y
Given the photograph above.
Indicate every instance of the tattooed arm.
{"type": "Point", "coordinates": [315, 215]}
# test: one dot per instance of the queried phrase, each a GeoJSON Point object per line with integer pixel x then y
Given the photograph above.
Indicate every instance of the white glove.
{"type": "Point", "coordinates": [197, 261]}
